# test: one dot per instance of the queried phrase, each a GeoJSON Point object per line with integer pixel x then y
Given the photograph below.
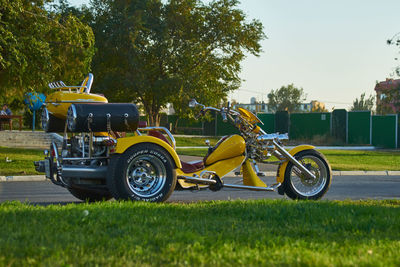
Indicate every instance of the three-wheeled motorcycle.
{"type": "Point", "coordinates": [96, 162]}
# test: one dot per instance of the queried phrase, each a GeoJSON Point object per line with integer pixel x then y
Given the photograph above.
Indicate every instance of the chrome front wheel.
{"type": "Point", "coordinates": [298, 185]}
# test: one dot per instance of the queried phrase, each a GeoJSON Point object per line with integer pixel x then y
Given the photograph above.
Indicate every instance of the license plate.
{"type": "Point", "coordinates": [47, 168]}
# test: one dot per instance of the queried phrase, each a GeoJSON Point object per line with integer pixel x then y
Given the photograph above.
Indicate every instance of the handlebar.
{"type": "Point", "coordinates": [224, 111]}
{"type": "Point", "coordinates": [224, 118]}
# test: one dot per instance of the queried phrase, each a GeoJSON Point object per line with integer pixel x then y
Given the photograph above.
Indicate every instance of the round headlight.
{"type": "Point", "coordinates": [71, 118]}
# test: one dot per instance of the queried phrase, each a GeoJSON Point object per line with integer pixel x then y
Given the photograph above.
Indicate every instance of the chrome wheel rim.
{"type": "Point", "coordinates": [146, 175]}
{"type": "Point", "coordinates": [308, 186]}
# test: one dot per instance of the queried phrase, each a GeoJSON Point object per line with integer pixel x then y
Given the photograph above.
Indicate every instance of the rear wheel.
{"type": "Point", "coordinates": [144, 172]}
{"type": "Point", "coordinates": [299, 186]}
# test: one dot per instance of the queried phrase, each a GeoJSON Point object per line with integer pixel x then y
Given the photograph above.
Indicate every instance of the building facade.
{"type": "Point", "coordinates": [388, 96]}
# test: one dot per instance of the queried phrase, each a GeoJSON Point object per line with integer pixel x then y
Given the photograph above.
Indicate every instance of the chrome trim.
{"type": "Point", "coordinates": [90, 143]}
{"type": "Point", "coordinates": [254, 188]}
{"type": "Point", "coordinates": [171, 137]}
{"type": "Point", "coordinates": [87, 101]}
{"type": "Point", "coordinates": [45, 117]}
{"type": "Point", "coordinates": [205, 172]}
{"type": "Point", "coordinates": [196, 180]}
{"type": "Point", "coordinates": [58, 164]}
{"type": "Point", "coordinates": [88, 83]}
{"type": "Point", "coordinates": [293, 160]}
{"type": "Point", "coordinates": [71, 118]}
{"type": "Point", "coordinates": [85, 158]}
{"type": "Point", "coordinates": [60, 85]}
{"type": "Point", "coordinates": [273, 136]}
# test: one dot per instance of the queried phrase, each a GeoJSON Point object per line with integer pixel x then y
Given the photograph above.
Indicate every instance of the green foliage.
{"type": "Point", "coordinates": [389, 102]}
{"type": "Point", "coordinates": [363, 103]}
{"type": "Point", "coordinates": [395, 40]}
{"type": "Point", "coordinates": [286, 98]}
{"type": "Point", "coordinates": [215, 233]}
{"type": "Point", "coordinates": [38, 46]}
{"type": "Point", "coordinates": [158, 52]}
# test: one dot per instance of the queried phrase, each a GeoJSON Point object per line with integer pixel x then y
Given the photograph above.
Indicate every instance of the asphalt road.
{"type": "Point", "coordinates": [343, 187]}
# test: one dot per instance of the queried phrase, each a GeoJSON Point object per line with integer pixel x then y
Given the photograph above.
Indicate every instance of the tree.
{"type": "Point", "coordinates": [38, 46]}
{"type": "Point", "coordinates": [363, 103]}
{"type": "Point", "coordinates": [389, 101]}
{"type": "Point", "coordinates": [319, 108]}
{"type": "Point", "coordinates": [160, 52]}
{"type": "Point", "coordinates": [395, 40]}
{"type": "Point", "coordinates": [286, 98]}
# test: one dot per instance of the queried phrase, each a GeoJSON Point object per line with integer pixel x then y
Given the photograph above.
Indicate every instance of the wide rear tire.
{"type": "Point", "coordinates": [298, 186]}
{"type": "Point", "coordinates": [144, 172]}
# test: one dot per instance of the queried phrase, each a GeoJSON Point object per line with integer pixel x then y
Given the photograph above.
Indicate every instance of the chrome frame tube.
{"type": "Point", "coordinates": [85, 158]}
{"type": "Point", "coordinates": [253, 188]}
{"type": "Point", "coordinates": [293, 160]}
{"type": "Point", "coordinates": [83, 145]}
{"type": "Point", "coordinates": [171, 137]}
{"type": "Point", "coordinates": [90, 144]}
{"type": "Point", "coordinates": [196, 180]}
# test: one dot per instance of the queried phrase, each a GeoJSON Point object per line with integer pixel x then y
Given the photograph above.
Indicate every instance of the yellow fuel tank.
{"type": "Point", "coordinates": [231, 147]}
{"type": "Point", "coordinates": [58, 102]}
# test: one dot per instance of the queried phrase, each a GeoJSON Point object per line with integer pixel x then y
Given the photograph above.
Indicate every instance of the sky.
{"type": "Point", "coordinates": [335, 50]}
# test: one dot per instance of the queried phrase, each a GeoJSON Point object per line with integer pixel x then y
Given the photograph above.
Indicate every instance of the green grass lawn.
{"type": "Point", "coordinates": [345, 160]}
{"type": "Point", "coordinates": [195, 141]}
{"type": "Point", "coordinates": [221, 233]}
{"type": "Point", "coordinates": [348, 160]}
{"type": "Point", "coordinates": [21, 160]}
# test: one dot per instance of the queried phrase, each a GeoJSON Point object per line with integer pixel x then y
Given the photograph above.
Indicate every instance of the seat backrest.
{"type": "Point", "coordinates": [159, 135]}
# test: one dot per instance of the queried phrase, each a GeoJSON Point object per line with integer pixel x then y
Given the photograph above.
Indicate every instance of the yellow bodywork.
{"type": "Point", "coordinates": [249, 116]}
{"type": "Point", "coordinates": [232, 147]}
{"type": "Point", "coordinates": [58, 102]}
{"type": "Point", "coordinates": [249, 175]}
{"type": "Point", "coordinates": [221, 168]}
{"type": "Point", "coordinates": [126, 142]}
{"type": "Point", "coordinates": [282, 168]}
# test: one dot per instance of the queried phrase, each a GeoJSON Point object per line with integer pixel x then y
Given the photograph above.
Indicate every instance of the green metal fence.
{"type": "Point", "coordinates": [359, 128]}
{"type": "Point", "coordinates": [269, 122]}
{"type": "Point", "coordinates": [282, 121]}
{"type": "Point", "coordinates": [384, 131]}
{"type": "Point", "coordinates": [307, 125]}
{"type": "Point", "coordinates": [225, 128]}
{"type": "Point", "coordinates": [339, 122]}
{"type": "Point", "coordinates": [355, 127]}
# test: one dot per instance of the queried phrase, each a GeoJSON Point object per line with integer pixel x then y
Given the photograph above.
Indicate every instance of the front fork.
{"type": "Point", "coordinates": [250, 177]}
{"type": "Point", "coordinates": [295, 162]}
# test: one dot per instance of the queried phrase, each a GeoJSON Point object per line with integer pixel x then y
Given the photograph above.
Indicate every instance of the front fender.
{"type": "Point", "coordinates": [280, 176]}
{"type": "Point", "coordinates": [126, 142]}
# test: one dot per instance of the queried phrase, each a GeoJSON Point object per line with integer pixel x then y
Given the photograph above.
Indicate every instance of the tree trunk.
{"type": "Point", "coordinates": [176, 125]}
{"type": "Point", "coordinates": [154, 118]}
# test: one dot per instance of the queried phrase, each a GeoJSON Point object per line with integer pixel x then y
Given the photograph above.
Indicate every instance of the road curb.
{"type": "Point", "coordinates": [40, 178]}
{"type": "Point", "coordinates": [27, 178]}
